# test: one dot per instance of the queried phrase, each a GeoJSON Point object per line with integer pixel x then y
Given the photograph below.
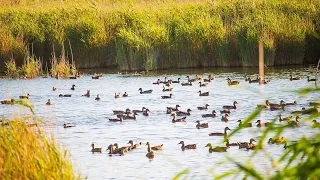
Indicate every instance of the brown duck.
{"type": "Point", "coordinates": [213, 114]}
{"type": "Point", "coordinates": [204, 93]}
{"type": "Point", "coordinates": [181, 113]}
{"type": "Point", "coordinates": [189, 146]}
{"type": "Point", "coordinates": [150, 153]}
{"type": "Point", "coordinates": [244, 125]}
{"type": "Point", "coordinates": [200, 126]}
{"type": "Point", "coordinates": [174, 120]}
{"type": "Point", "coordinates": [221, 134]}
{"type": "Point", "coordinates": [203, 107]}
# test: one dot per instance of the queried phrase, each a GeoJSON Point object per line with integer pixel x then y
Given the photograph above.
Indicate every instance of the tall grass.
{"type": "Point", "coordinates": [31, 68]}
{"type": "Point", "coordinates": [140, 34]}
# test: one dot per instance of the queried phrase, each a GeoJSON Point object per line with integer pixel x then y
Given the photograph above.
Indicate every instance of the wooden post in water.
{"type": "Point", "coordinates": [261, 62]}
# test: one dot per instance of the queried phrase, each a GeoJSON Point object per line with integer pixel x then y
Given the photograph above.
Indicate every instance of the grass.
{"type": "Point", "coordinates": [31, 68]}
{"type": "Point", "coordinates": [144, 34]}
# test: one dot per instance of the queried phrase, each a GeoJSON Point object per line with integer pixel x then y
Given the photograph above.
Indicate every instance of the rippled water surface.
{"type": "Point", "coordinates": [92, 125]}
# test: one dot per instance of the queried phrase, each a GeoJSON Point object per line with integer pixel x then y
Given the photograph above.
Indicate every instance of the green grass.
{"type": "Point", "coordinates": [140, 34]}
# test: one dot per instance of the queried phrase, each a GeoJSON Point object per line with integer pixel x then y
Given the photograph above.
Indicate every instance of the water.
{"type": "Point", "coordinates": [92, 126]}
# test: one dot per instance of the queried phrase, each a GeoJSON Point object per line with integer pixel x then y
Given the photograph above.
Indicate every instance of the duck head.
{"type": "Point", "coordinates": [227, 128]}
{"type": "Point", "coordinates": [208, 145]}
{"type": "Point", "coordinates": [181, 142]}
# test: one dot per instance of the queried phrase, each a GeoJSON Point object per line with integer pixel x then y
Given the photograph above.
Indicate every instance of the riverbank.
{"type": "Point", "coordinates": [139, 35]}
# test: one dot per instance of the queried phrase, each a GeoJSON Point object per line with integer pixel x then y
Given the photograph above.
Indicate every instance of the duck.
{"type": "Point", "coordinates": [67, 126]}
{"type": "Point", "coordinates": [192, 80]}
{"type": "Point", "coordinates": [181, 113]}
{"type": "Point", "coordinates": [157, 148]}
{"type": "Point", "coordinates": [150, 153]}
{"type": "Point", "coordinates": [157, 82]}
{"type": "Point", "coordinates": [231, 107]}
{"type": "Point", "coordinates": [174, 108]}
{"type": "Point", "coordinates": [54, 88]}
{"type": "Point", "coordinates": [127, 111]}
{"type": "Point", "coordinates": [200, 126]}
{"type": "Point", "coordinates": [246, 144]}
{"type": "Point", "coordinates": [203, 84]}
{"type": "Point", "coordinates": [252, 80]}
{"type": "Point", "coordinates": [310, 111]}
{"type": "Point", "coordinates": [116, 95]}
{"type": "Point", "coordinates": [244, 125]}
{"type": "Point", "coordinates": [221, 134]}
{"type": "Point", "coordinates": [25, 97]}
{"type": "Point", "coordinates": [115, 151]}
{"type": "Point", "coordinates": [210, 78]}
{"type": "Point", "coordinates": [87, 94]}
{"type": "Point", "coordinates": [315, 124]}
{"type": "Point", "coordinates": [98, 98]}
{"type": "Point", "coordinates": [178, 81]}
{"type": "Point", "coordinates": [225, 118]}
{"type": "Point", "coordinates": [124, 149]}
{"type": "Point", "coordinates": [95, 149]}
{"type": "Point", "coordinates": [259, 124]}
{"type": "Point", "coordinates": [145, 92]}
{"type": "Point", "coordinates": [186, 84]}
{"type": "Point", "coordinates": [49, 102]}
{"type": "Point", "coordinates": [95, 77]}
{"type": "Point", "coordinates": [288, 104]}
{"type": "Point", "coordinates": [289, 118]}
{"type": "Point", "coordinates": [277, 140]}
{"type": "Point", "coordinates": [310, 79]}
{"type": "Point", "coordinates": [65, 95]}
{"type": "Point", "coordinates": [168, 89]}
{"type": "Point", "coordinates": [134, 146]}
{"type": "Point", "coordinates": [167, 97]}
{"type": "Point", "coordinates": [298, 112]}
{"type": "Point", "coordinates": [139, 111]}
{"type": "Point", "coordinates": [231, 144]}
{"type": "Point", "coordinates": [125, 94]}
{"type": "Point", "coordinates": [216, 149]}
{"type": "Point", "coordinates": [213, 114]}
{"type": "Point", "coordinates": [230, 83]}
{"type": "Point", "coordinates": [189, 146]}
{"type": "Point", "coordinates": [251, 145]}
{"type": "Point", "coordinates": [225, 111]}
{"type": "Point", "coordinates": [203, 107]}
{"type": "Point", "coordinates": [8, 101]}
{"type": "Point", "coordinates": [174, 120]}
{"type": "Point", "coordinates": [130, 117]}
{"type": "Point", "coordinates": [294, 78]}
{"type": "Point", "coordinates": [275, 108]}
{"type": "Point", "coordinates": [73, 87]}
{"type": "Point", "coordinates": [146, 112]}
{"type": "Point", "coordinates": [294, 123]}
{"type": "Point", "coordinates": [203, 94]}
{"type": "Point", "coordinates": [117, 120]}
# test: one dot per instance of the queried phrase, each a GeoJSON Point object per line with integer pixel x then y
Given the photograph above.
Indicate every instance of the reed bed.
{"type": "Point", "coordinates": [143, 34]}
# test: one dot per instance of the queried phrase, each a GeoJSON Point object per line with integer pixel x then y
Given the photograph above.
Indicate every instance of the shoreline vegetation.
{"type": "Point", "coordinates": [150, 35]}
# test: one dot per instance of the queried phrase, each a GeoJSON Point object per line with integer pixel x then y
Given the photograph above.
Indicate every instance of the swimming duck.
{"type": "Point", "coordinates": [174, 120]}
{"type": "Point", "coordinates": [298, 112]}
{"type": "Point", "coordinates": [289, 118]}
{"type": "Point", "coordinates": [310, 79]}
{"type": "Point", "coordinates": [294, 78]}
{"type": "Point", "coordinates": [25, 97]}
{"type": "Point", "coordinates": [231, 144]}
{"type": "Point", "coordinates": [259, 124]}
{"type": "Point", "coordinates": [113, 151]}
{"type": "Point", "coordinates": [125, 94]}
{"type": "Point", "coordinates": [203, 94]}
{"type": "Point", "coordinates": [274, 108]}
{"type": "Point", "coordinates": [167, 97]}
{"type": "Point", "coordinates": [210, 78]}
{"type": "Point", "coordinates": [213, 114]}
{"type": "Point", "coordinates": [54, 89]}
{"type": "Point", "coordinates": [127, 111]}
{"type": "Point", "coordinates": [134, 146]}
{"type": "Point", "coordinates": [117, 120]}
{"type": "Point", "coordinates": [288, 104]}
{"type": "Point", "coordinates": [124, 149]}
{"type": "Point", "coordinates": [232, 82]}
{"type": "Point", "coordinates": [49, 102]}
{"type": "Point", "coordinates": [178, 81]}
{"type": "Point", "coordinates": [181, 113]}
{"type": "Point", "coordinates": [225, 118]}
{"type": "Point", "coordinates": [231, 107]}
{"type": "Point", "coordinates": [221, 134]}
{"type": "Point", "coordinates": [225, 111]}
{"type": "Point", "coordinates": [146, 112]}
{"type": "Point", "coordinates": [189, 146]}
{"type": "Point", "coordinates": [252, 80]}
{"type": "Point", "coordinates": [192, 80]}
{"type": "Point", "coordinates": [73, 87]}
{"type": "Point", "coordinates": [174, 108]}
{"type": "Point", "coordinates": [216, 149]}
{"type": "Point", "coordinates": [244, 125]}
{"type": "Point", "coordinates": [186, 84]}
{"type": "Point", "coordinates": [294, 123]}
{"type": "Point", "coordinates": [87, 94]}
{"type": "Point", "coordinates": [246, 144]}
{"type": "Point", "coordinates": [207, 80]}
{"type": "Point", "coordinates": [251, 145]}
{"type": "Point", "coordinates": [157, 82]}
{"type": "Point", "coordinates": [116, 95]}
{"type": "Point", "coordinates": [145, 92]}
{"type": "Point", "coordinates": [203, 84]}
{"type": "Point", "coordinates": [277, 140]}
{"type": "Point", "coordinates": [98, 98]}
{"type": "Point", "coordinates": [157, 148]}
{"type": "Point", "coordinates": [130, 117]}
{"type": "Point", "coordinates": [310, 111]}
{"type": "Point", "coordinates": [139, 111]}
{"type": "Point", "coordinates": [203, 107]}
{"type": "Point", "coordinates": [150, 153]}
{"type": "Point", "coordinates": [95, 149]}
{"type": "Point", "coordinates": [67, 126]}
{"type": "Point", "coordinates": [315, 123]}
{"type": "Point", "coordinates": [65, 95]}
{"type": "Point", "coordinates": [168, 89]}
{"type": "Point", "coordinates": [8, 101]}
{"type": "Point", "coordinates": [96, 77]}
{"type": "Point", "coordinates": [203, 125]}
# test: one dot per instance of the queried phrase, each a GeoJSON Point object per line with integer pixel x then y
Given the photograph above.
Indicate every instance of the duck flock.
{"type": "Point", "coordinates": [179, 116]}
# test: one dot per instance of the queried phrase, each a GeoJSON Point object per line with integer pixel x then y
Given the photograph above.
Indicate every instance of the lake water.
{"type": "Point", "coordinates": [92, 125]}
